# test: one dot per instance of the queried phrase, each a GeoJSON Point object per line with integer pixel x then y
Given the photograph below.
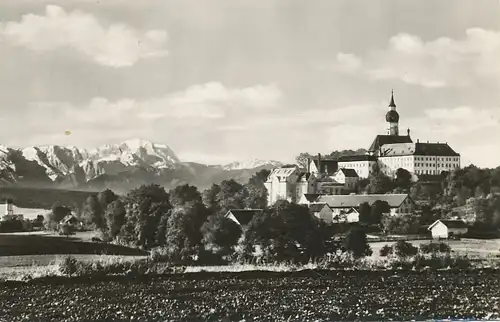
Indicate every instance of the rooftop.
{"type": "Point", "coordinates": [244, 216]}
{"type": "Point", "coordinates": [381, 140]}
{"type": "Point", "coordinates": [349, 173]}
{"type": "Point", "coordinates": [346, 201]}
{"type": "Point", "coordinates": [458, 224]}
{"type": "Point", "coordinates": [418, 148]}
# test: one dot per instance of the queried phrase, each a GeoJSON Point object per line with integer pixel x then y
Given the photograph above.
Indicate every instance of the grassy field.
{"type": "Point", "coordinates": [43, 244]}
{"type": "Point", "coordinates": [473, 248]}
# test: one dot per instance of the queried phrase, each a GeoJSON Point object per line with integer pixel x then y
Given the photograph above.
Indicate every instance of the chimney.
{"type": "Point", "coordinates": [408, 132]}
{"type": "Point", "coordinates": [418, 141]}
{"type": "Point", "coordinates": [308, 165]}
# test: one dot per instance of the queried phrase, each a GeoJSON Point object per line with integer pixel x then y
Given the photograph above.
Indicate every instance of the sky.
{"type": "Point", "coordinates": [226, 80]}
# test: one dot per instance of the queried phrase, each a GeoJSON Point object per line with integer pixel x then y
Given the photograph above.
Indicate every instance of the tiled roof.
{"type": "Point", "coordinates": [304, 175]}
{"type": "Point", "coordinates": [317, 207]}
{"type": "Point", "coordinates": [419, 148]}
{"type": "Point", "coordinates": [244, 216]}
{"type": "Point", "coordinates": [285, 172]}
{"type": "Point", "coordinates": [311, 197]}
{"type": "Point", "coordinates": [381, 140]}
{"type": "Point", "coordinates": [458, 224]}
{"type": "Point", "coordinates": [350, 173]}
{"type": "Point", "coordinates": [328, 166]}
{"type": "Point", "coordinates": [347, 201]}
{"type": "Point", "coordinates": [361, 157]}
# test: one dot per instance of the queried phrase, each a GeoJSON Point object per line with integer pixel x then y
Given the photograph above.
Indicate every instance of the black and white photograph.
{"type": "Point", "coordinates": [249, 160]}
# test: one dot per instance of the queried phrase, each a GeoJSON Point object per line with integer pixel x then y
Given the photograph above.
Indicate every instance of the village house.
{"type": "Point", "coordinates": [243, 217]}
{"type": "Point", "coordinates": [9, 212]}
{"type": "Point", "coordinates": [72, 221]}
{"type": "Point", "coordinates": [347, 177]}
{"type": "Point", "coordinates": [321, 211]}
{"type": "Point", "coordinates": [444, 229]}
{"type": "Point", "coordinates": [309, 198]}
{"type": "Point", "coordinates": [400, 204]}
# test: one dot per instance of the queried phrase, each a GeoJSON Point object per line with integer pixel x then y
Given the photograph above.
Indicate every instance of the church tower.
{"type": "Point", "coordinates": [392, 117]}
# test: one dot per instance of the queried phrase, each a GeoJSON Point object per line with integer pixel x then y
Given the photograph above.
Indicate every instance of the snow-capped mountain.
{"type": "Point", "coordinates": [138, 152]}
{"type": "Point", "coordinates": [251, 164]}
{"type": "Point", "coordinates": [120, 166]}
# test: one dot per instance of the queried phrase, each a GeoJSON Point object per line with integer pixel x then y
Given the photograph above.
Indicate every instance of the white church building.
{"type": "Point", "coordinates": [388, 152]}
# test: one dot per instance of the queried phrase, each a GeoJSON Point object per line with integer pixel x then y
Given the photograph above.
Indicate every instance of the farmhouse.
{"type": "Point", "coordinates": [447, 228]}
{"type": "Point", "coordinates": [309, 198]}
{"type": "Point", "coordinates": [321, 211]}
{"type": "Point", "coordinates": [242, 217]}
{"type": "Point", "coordinates": [400, 204]}
{"type": "Point", "coordinates": [9, 212]}
{"type": "Point", "coordinates": [72, 221]}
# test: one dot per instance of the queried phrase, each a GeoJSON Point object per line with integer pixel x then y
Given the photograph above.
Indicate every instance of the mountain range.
{"type": "Point", "coordinates": [119, 167]}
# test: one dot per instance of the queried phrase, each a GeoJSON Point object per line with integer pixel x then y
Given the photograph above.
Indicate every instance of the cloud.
{"type": "Point", "coordinates": [115, 45]}
{"type": "Point", "coordinates": [442, 62]}
{"type": "Point", "coordinates": [196, 109]}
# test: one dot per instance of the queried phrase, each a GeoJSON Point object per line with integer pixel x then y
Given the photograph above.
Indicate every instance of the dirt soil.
{"type": "Point", "coordinates": [299, 296]}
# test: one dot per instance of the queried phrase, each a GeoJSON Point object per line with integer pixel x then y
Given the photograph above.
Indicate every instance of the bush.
{"type": "Point", "coordinates": [69, 266]}
{"type": "Point", "coordinates": [66, 230]}
{"type": "Point", "coordinates": [357, 244]}
{"type": "Point", "coordinates": [386, 251]}
{"type": "Point", "coordinates": [433, 247]}
{"type": "Point", "coordinates": [405, 249]}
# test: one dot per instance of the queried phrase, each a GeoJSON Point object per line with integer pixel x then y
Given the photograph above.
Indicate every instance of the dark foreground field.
{"type": "Point", "coordinates": [20, 244]}
{"type": "Point", "coordinates": [303, 296]}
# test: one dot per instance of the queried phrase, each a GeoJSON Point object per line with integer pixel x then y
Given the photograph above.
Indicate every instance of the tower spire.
{"type": "Point", "coordinates": [392, 105]}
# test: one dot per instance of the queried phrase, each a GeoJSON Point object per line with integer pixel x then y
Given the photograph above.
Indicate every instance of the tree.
{"type": "Point", "coordinates": [182, 195]}
{"type": "Point", "coordinates": [379, 184]}
{"type": "Point", "coordinates": [93, 213]}
{"type": "Point", "coordinates": [183, 234]}
{"type": "Point", "coordinates": [302, 160]}
{"type": "Point", "coordinates": [379, 208]}
{"type": "Point", "coordinates": [231, 196]}
{"type": "Point", "coordinates": [59, 212]}
{"type": "Point", "coordinates": [210, 200]}
{"type": "Point", "coordinates": [405, 249]}
{"type": "Point", "coordinates": [220, 234]}
{"type": "Point", "coordinates": [106, 197]}
{"type": "Point", "coordinates": [286, 232]}
{"type": "Point", "coordinates": [256, 192]}
{"type": "Point", "coordinates": [145, 207]}
{"type": "Point", "coordinates": [402, 224]}
{"type": "Point", "coordinates": [115, 217]}
{"type": "Point", "coordinates": [356, 243]}
{"type": "Point", "coordinates": [403, 179]}
{"type": "Point", "coordinates": [364, 213]}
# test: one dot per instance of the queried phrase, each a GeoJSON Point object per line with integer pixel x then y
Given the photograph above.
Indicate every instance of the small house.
{"type": "Point", "coordinates": [242, 217]}
{"type": "Point", "coordinates": [321, 211]}
{"type": "Point", "coordinates": [448, 228]}
{"type": "Point", "coordinates": [72, 221]}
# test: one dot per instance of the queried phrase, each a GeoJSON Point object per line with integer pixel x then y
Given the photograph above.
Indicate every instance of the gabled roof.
{"type": "Point", "coordinates": [457, 224]}
{"type": "Point", "coordinates": [381, 140]}
{"type": "Point", "coordinates": [400, 149]}
{"type": "Point", "coordinates": [359, 157]}
{"type": "Point", "coordinates": [69, 219]}
{"type": "Point", "coordinates": [283, 172]}
{"type": "Point", "coordinates": [311, 197]}
{"type": "Point", "coordinates": [317, 207]}
{"type": "Point", "coordinates": [243, 216]}
{"type": "Point", "coordinates": [328, 166]}
{"type": "Point", "coordinates": [349, 173]}
{"type": "Point", "coordinates": [304, 176]}
{"type": "Point", "coordinates": [347, 201]}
